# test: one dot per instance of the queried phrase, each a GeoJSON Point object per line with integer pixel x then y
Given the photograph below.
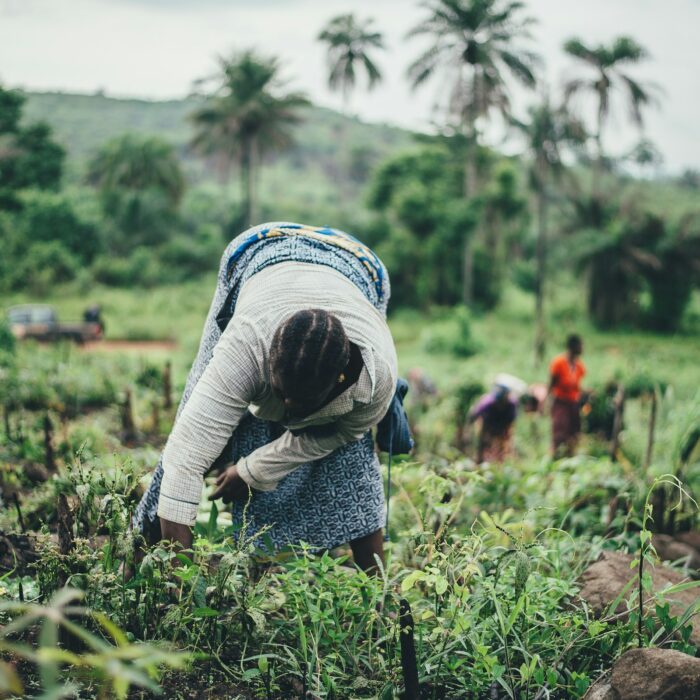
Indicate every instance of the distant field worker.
{"type": "Point", "coordinates": [296, 364]}
{"type": "Point", "coordinates": [496, 411]}
{"type": "Point", "coordinates": [566, 372]}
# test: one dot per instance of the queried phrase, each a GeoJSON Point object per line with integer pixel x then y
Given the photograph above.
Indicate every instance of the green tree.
{"type": "Point", "coordinates": [671, 284]}
{"type": "Point", "coordinates": [477, 45]}
{"type": "Point", "coordinates": [504, 219]}
{"type": "Point", "coordinates": [617, 249]}
{"type": "Point", "coordinates": [349, 45]}
{"type": "Point", "coordinates": [247, 114]}
{"type": "Point", "coordinates": [547, 131]}
{"type": "Point", "coordinates": [44, 242]}
{"type": "Point", "coordinates": [29, 157]}
{"type": "Point", "coordinates": [141, 184]}
{"type": "Point", "coordinates": [607, 76]}
{"type": "Point", "coordinates": [423, 218]}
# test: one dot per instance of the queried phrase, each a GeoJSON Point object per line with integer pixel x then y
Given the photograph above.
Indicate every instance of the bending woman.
{"type": "Point", "coordinates": [296, 364]}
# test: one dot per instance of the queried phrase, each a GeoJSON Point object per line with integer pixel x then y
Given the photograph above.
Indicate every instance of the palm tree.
{"type": "Point", "coordinates": [607, 76]}
{"type": "Point", "coordinates": [476, 45]}
{"type": "Point", "coordinates": [138, 163]}
{"type": "Point", "coordinates": [546, 132]}
{"type": "Point", "coordinates": [618, 250]}
{"type": "Point", "coordinates": [349, 44]}
{"type": "Point", "coordinates": [141, 184]}
{"type": "Point", "coordinates": [246, 115]}
{"type": "Point", "coordinates": [671, 285]}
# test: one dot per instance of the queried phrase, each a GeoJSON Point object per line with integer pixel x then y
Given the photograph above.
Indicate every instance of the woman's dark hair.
{"type": "Point", "coordinates": [574, 342]}
{"type": "Point", "coordinates": [308, 353]}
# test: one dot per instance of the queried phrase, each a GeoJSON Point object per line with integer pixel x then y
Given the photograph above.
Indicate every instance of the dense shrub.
{"type": "Point", "coordinates": [49, 217]}
{"type": "Point", "coordinates": [7, 340]}
{"type": "Point", "coordinates": [44, 243]}
{"type": "Point", "coordinates": [524, 275]}
{"type": "Point", "coordinates": [643, 384]}
{"type": "Point", "coordinates": [141, 268]}
{"type": "Point", "coordinates": [454, 337]}
{"type": "Point", "coordinates": [186, 256]}
{"type": "Point", "coordinates": [488, 278]}
{"type": "Point", "coordinates": [45, 264]}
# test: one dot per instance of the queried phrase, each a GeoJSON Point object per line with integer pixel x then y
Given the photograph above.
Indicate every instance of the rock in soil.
{"type": "Point", "coordinates": [673, 549]}
{"type": "Point", "coordinates": [691, 538]}
{"type": "Point", "coordinates": [650, 674]}
{"type": "Point", "coordinates": [36, 473]}
{"type": "Point", "coordinates": [604, 580]}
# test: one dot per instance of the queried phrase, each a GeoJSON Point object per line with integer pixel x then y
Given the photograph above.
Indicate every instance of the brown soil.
{"type": "Point", "coordinates": [128, 345]}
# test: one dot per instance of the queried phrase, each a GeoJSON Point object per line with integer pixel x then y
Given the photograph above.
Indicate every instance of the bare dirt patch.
{"type": "Point", "coordinates": [129, 346]}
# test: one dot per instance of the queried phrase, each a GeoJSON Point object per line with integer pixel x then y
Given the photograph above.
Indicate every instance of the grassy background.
{"type": "Point", "coordinates": [504, 339]}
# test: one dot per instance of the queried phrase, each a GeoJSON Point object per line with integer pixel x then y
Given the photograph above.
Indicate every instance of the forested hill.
{"type": "Point", "coordinates": [325, 139]}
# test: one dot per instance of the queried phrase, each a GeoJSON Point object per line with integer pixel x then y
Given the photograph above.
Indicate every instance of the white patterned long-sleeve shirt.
{"type": "Point", "coordinates": [236, 380]}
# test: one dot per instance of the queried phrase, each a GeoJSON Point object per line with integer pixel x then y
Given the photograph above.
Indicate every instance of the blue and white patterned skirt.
{"type": "Point", "coordinates": [324, 503]}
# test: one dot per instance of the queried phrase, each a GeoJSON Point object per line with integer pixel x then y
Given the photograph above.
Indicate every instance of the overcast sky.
{"type": "Point", "coordinates": [156, 48]}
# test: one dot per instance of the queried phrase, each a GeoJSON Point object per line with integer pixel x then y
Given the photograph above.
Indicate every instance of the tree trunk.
{"type": "Point", "coordinates": [246, 182]}
{"type": "Point", "coordinates": [49, 457]}
{"type": "Point", "coordinates": [409, 661]}
{"type": "Point", "coordinates": [470, 191]}
{"type": "Point", "coordinates": [598, 167]}
{"type": "Point", "coordinates": [168, 386]}
{"type": "Point", "coordinates": [541, 258]}
{"type": "Point", "coordinates": [617, 422]}
{"type": "Point", "coordinates": [129, 434]}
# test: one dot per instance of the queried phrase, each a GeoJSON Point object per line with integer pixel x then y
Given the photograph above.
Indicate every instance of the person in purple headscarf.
{"type": "Point", "coordinates": [497, 411]}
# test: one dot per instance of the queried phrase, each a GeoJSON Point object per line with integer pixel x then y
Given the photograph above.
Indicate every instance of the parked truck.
{"type": "Point", "coordinates": [40, 322]}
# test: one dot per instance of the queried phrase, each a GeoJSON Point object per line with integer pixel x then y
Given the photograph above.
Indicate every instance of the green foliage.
{"type": "Point", "coordinates": [495, 604]}
{"type": "Point", "coordinates": [107, 663]}
{"type": "Point", "coordinates": [643, 384]}
{"type": "Point", "coordinates": [188, 256]}
{"type": "Point", "coordinates": [29, 157]}
{"type": "Point", "coordinates": [46, 264]}
{"type": "Point", "coordinates": [484, 40]}
{"type": "Point", "coordinates": [454, 337]}
{"type": "Point", "coordinates": [646, 624]}
{"type": "Point", "coordinates": [628, 249]}
{"type": "Point", "coordinates": [57, 380]}
{"type": "Point", "coordinates": [141, 268]}
{"type": "Point", "coordinates": [488, 278]}
{"type": "Point", "coordinates": [671, 283]}
{"type": "Point", "coordinates": [607, 76]}
{"type": "Point", "coordinates": [141, 184]}
{"type": "Point", "coordinates": [525, 275]}
{"type": "Point", "coordinates": [52, 217]}
{"type": "Point", "coordinates": [245, 117]}
{"type": "Point", "coordinates": [7, 340]}
{"type": "Point", "coordinates": [47, 242]}
{"type": "Point", "coordinates": [424, 222]}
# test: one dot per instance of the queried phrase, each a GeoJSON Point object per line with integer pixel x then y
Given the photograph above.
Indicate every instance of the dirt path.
{"type": "Point", "coordinates": [129, 345]}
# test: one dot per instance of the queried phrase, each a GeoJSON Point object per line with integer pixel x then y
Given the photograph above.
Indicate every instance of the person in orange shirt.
{"type": "Point", "coordinates": [566, 373]}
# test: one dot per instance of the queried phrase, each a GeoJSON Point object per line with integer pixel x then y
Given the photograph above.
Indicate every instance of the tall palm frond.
{"type": "Point", "coordinates": [247, 114]}
{"type": "Point", "coordinates": [349, 45]}
{"type": "Point", "coordinates": [478, 44]}
{"type": "Point", "coordinates": [547, 131]}
{"type": "Point", "coordinates": [606, 77]}
{"type": "Point", "coordinates": [138, 163]}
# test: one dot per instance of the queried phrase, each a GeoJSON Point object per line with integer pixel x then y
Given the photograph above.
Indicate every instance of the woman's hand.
{"type": "Point", "coordinates": [230, 486]}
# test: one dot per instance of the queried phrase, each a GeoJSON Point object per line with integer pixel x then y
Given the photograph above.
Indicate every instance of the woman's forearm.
{"type": "Point", "coordinates": [177, 533]}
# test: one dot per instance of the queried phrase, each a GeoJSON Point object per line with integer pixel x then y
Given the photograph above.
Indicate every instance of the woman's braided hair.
{"type": "Point", "coordinates": [308, 353]}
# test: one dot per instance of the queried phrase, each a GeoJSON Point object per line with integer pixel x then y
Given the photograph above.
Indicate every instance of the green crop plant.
{"type": "Point", "coordinates": [107, 663]}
